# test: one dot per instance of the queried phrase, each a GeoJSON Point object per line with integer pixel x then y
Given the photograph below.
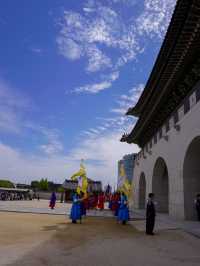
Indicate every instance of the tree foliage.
{"type": "Point", "coordinates": [43, 184]}
{"type": "Point", "coordinates": [6, 184]}
{"type": "Point", "coordinates": [40, 185]}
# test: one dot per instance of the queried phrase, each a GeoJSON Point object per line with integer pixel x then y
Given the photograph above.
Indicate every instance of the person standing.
{"type": "Point", "coordinates": [197, 205]}
{"type": "Point", "coordinates": [150, 215]}
{"type": "Point", "coordinates": [76, 209]}
{"type": "Point", "coordinates": [123, 212]}
{"type": "Point", "coordinates": [52, 200]}
{"type": "Point", "coordinates": [101, 200]}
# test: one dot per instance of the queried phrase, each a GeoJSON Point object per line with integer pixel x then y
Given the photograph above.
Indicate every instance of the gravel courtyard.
{"type": "Point", "coordinates": [42, 239]}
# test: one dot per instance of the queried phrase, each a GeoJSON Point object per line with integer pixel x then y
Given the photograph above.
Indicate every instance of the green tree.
{"type": "Point", "coordinates": [35, 184]}
{"type": "Point", "coordinates": [43, 184]}
{"type": "Point", "coordinates": [6, 183]}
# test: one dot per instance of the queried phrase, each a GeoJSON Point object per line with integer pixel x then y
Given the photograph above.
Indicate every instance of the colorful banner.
{"type": "Point", "coordinates": [124, 185]}
{"type": "Point", "coordinates": [81, 177]}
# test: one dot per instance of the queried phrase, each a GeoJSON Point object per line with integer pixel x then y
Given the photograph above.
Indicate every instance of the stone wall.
{"type": "Point", "coordinates": [171, 144]}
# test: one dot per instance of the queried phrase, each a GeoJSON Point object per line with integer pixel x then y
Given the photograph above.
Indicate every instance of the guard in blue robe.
{"type": "Point", "coordinates": [76, 209]}
{"type": "Point", "coordinates": [52, 200]}
{"type": "Point", "coordinates": [123, 212]}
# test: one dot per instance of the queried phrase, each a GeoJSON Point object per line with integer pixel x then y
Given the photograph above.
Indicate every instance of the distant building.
{"type": "Point", "coordinates": [54, 186]}
{"type": "Point", "coordinates": [70, 187]}
{"type": "Point", "coordinates": [23, 186]}
{"type": "Point", "coordinates": [128, 162]}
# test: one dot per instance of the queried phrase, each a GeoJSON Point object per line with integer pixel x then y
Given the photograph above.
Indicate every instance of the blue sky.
{"type": "Point", "coordinates": [69, 70]}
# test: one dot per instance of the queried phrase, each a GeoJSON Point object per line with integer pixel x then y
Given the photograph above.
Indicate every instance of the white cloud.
{"type": "Point", "coordinates": [53, 144]}
{"type": "Point", "coordinates": [97, 60]}
{"type": "Point", "coordinates": [155, 18]}
{"type": "Point", "coordinates": [36, 50]}
{"type": "Point", "coordinates": [53, 147]}
{"type": "Point", "coordinates": [121, 111]}
{"type": "Point", "coordinates": [101, 154]}
{"type": "Point", "coordinates": [126, 101]}
{"type": "Point", "coordinates": [97, 87]}
{"type": "Point", "coordinates": [51, 138]}
{"type": "Point", "coordinates": [83, 35]}
{"type": "Point", "coordinates": [9, 121]}
{"type": "Point", "coordinates": [94, 88]}
{"type": "Point", "coordinates": [19, 166]}
{"type": "Point", "coordinates": [105, 149]}
{"type": "Point", "coordinates": [106, 39]}
{"type": "Point", "coordinates": [12, 106]}
{"type": "Point", "coordinates": [128, 2]}
{"type": "Point", "coordinates": [69, 48]}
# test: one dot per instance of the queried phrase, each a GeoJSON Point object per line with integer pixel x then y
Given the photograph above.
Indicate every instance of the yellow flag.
{"type": "Point", "coordinates": [82, 179]}
{"type": "Point", "coordinates": [124, 184]}
{"type": "Point", "coordinates": [122, 171]}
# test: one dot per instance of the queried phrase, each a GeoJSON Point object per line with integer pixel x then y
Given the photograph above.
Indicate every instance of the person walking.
{"type": "Point", "coordinates": [52, 200]}
{"type": "Point", "coordinates": [150, 215]}
{"type": "Point", "coordinates": [197, 205]}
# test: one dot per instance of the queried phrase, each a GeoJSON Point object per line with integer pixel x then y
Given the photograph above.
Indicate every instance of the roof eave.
{"type": "Point", "coordinates": [132, 112]}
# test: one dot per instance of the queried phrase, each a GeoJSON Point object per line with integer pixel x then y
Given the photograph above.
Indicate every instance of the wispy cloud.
{"type": "Point", "coordinates": [126, 101]}
{"type": "Point", "coordinates": [51, 138]}
{"type": "Point", "coordinates": [83, 35]}
{"type": "Point", "coordinates": [97, 87]}
{"type": "Point", "coordinates": [100, 153]}
{"type": "Point", "coordinates": [12, 106]}
{"type": "Point", "coordinates": [97, 60]}
{"type": "Point", "coordinates": [102, 25]}
{"type": "Point", "coordinates": [36, 50]}
{"type": "Point", "coordinates": [155, 18]}
{"type": "Point", "coordinates": [99, 146]}
{"type": "Point", "coordinates": [69, 48]}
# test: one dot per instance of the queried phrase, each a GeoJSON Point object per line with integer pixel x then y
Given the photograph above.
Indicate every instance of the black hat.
{"type": "Point", "coordinates": [151, 195]}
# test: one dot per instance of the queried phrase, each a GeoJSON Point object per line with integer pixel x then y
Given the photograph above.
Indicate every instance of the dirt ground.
{"type": "Point", "coordinates": [32, 239]}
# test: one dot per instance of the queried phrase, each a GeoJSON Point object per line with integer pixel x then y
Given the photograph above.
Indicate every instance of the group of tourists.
{"type": "Point", "coordinates": [10, 196]}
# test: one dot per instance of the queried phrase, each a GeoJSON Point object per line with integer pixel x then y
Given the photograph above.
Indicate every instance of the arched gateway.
{"type": "Point", "coordinates": [191, 178]}
{"type": "Point", "coordinates": [142, 191]}
{"type": "Point", "coordinates": [160, 185]}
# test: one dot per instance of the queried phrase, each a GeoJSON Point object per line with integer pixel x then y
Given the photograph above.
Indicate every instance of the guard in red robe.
{"type": "Point", "coordinates": [115, 204]}
{"type": "Point", "coordinates": [101, 200]}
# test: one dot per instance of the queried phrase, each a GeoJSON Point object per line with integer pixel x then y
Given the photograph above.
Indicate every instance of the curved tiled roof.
{"type": "Point", "coordinates": [168, 81]}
